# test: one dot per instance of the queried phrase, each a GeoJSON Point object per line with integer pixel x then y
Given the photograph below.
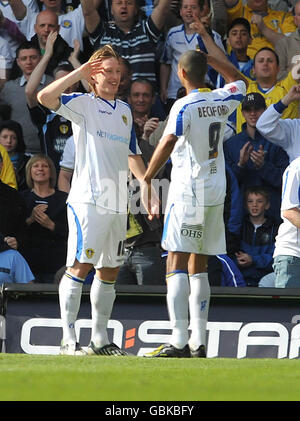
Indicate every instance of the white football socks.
{"type": "Point", "coordinates": [199, 305]}
{"type": "Point", "coordinates": [102, 297]}
{"type": "Point", "coordinates": [177, 300]}
{"type": "Point", "coordinates": [70, 289]}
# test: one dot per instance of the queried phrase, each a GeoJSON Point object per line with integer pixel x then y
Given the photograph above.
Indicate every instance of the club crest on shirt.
{"type": "Point", "coordinates": [66, 23]}
{"type": "Point", "coordinates": [63, 128]}
{"type": "Point", "coordinates": [124, 118]}
{"type": "Point", "coordinates": [89, 253]}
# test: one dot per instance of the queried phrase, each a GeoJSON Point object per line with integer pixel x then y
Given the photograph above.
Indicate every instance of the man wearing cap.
{"type": "Point", "coordinates": [253, 159]}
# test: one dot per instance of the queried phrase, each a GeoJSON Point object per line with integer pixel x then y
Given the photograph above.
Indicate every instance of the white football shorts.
{"type": "Point", "coordinates": [96, 236]}
{"type": "Point", "coordinates": [190, 229]}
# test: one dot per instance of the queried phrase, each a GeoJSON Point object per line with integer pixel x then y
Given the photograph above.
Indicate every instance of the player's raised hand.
{"type": "Point", "coordinates": [90, 69]}
{"type": "Point", "coordinates": [198, 26]}
{"type": "Point", "coordinates": [292, 95]}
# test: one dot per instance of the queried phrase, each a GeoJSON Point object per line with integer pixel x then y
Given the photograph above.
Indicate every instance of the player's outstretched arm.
{"type": "Point", "coordinates": [159, 158]}
{"type": "Point", "coordinates": [149, 197]}
{"type": "Point", "coordinates": [216, 58]}
{"type": "Point", "coordinates": [50, 95]}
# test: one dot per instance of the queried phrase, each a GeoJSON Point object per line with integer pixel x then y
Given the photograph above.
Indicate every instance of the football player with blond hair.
{"type": "Point", "coordinates": [105, 146]}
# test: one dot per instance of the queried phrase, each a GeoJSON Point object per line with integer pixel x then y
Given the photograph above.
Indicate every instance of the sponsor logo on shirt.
{"type": "Point", "coordinates": [111, 136]}
{"type": "Point", "coordinates": [105, 112]}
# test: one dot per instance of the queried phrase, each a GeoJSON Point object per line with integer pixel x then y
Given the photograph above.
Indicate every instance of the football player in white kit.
{"type": "Point", "coordinates": [105, 145]}
{"type": "Point", "coordinates": [194, 224]}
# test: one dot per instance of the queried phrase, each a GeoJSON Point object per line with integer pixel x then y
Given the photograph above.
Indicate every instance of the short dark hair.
{"type": "Point", "coordinates": [257, 190]}
{"type": "Point", "coordinates": [239, 21]}
{"type": "Point", "coordinates": [16, 127]}
{"type": "Point", "coordinates": [194, 64]}
{"type": "Point", "coordinates": [267, 49]}
{"type": "Point", "coordinates": [27, 45]}
{"type": "Point", "coordinates": [144, 81]}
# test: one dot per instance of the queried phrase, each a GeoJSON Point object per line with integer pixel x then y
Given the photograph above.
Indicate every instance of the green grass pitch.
{"type": "Point", "coordinates": [96, 378]}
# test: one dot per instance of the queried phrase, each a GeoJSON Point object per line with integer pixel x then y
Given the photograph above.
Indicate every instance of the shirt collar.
{"type": "Point", "coordinates": [23, 80]}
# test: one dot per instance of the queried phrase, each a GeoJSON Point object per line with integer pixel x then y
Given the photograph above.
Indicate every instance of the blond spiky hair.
{"type": "Point", "coordinates": [107, 51]}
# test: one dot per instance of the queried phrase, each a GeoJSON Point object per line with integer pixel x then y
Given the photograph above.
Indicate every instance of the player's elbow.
{"type": "Point", "coordinates": [170, 141]}
{"type": "Point", "coordinates": [43, 97]}
{"type": "Point", "coordinates": [46, 99]}
{"type": "Point", "coordinates": [293, 216]}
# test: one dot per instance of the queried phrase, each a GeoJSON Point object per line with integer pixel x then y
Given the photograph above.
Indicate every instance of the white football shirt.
{"type": "Point", "coordinates": [288, 238]}
{"type": "Point", "coordinates": [104, 137]}
{"type": "Point", "coordinates": [199, 120]}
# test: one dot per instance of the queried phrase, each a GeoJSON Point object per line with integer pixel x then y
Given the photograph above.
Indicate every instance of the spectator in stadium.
{"type": "Point", "coordinates": [253, 159]}
{"type": "Point", "coordinates": [71, 23]}
{"type": "Point", "coordinates": [135, 39]}
{"type": "Point", "coordinates": [238, 41]}
{"type": "Point", "coordinates": [12, 212]}
{"type": "Point", "coordinates": [181, 38]}
{"type": "Point", "coordinates": [46, 23]}
{"type": "Point", "coordinates": [13, 94]}
{"type": "Point", "coordinates": [53, 129]}
{"type": "Point", "coordinates": [287, 48]}
{"type": "Point", "coordinates": [255, 257]}
{"type": "Point", "coordinates": [46, 219]}
{"type": "Point", "coordinates": [266, 68]}
{"type": "Point", "coordinates": [7, 172]}
{"type": "Point", "coordinates": [267, 25]}
{"type": "Point", "coordinates": [13, 266]}
{"type": "Point", "coordinates": [10, 39]}
{"type": "Point", "coordinates": [6, 8]}
{"type": "Point", "coordinates": [11, 137]}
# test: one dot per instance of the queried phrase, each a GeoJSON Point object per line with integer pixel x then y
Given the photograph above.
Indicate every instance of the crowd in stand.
{"type": "Point", "coordinates": [43, 40]}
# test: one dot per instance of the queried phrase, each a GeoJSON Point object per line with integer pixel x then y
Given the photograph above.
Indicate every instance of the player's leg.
{"type": "Point", "coordinates": [178, 307]}
{"type": "Point", "coordinates": [199, 300]}
{"type": "Point", "coordinates": [103, 295]}
{"type": "Point", "coordinates": [70, 290]}
{"type": "Point", "coordinates": [213, 243]}
{"type": "Point", "coordinates": [81, 256]}
{"type": "Point", "coordinates": [178, 291]}
{"type": "Point", "coordinates": [103, 291]}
